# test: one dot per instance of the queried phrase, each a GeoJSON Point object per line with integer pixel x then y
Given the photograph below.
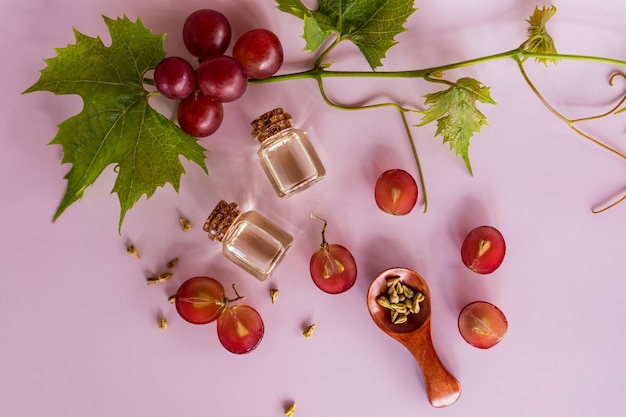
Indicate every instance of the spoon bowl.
{"type": "Point", "coordinates": [442, 388]}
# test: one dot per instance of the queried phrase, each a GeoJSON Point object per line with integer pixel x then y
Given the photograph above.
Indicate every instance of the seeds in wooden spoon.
{"type": "Point", "coordinates": [400, 299]}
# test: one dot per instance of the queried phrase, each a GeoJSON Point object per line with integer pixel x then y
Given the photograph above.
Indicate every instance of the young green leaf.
{"type": "Point", "coordinates": [539, 40]}
{"type": "Point", "coordinates": [117, 125]}
{"type": "Point", "coordinates": [456, 113]}
{"type": "Point", "coordinates": [371, 25]}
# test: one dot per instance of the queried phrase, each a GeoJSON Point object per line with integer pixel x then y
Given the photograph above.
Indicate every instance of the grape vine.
{"type": "Point", "coordinates": [538, 46]}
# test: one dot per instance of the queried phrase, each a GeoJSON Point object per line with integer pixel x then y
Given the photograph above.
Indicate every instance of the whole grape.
{"type": "Point", "coordinates": [206, 32]}
{"type": "Point", "coordinates": [200, 115]}
{"type": "Point", "coordinates": [260, 52]}
{"type": "Point", "coordinates": [174, 78]}
{"type": "Point", "coordinates": [222, 77]}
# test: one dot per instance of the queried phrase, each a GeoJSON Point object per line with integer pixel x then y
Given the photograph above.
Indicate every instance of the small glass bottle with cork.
{"type": "Point", "coordinates": [286, 154]}
{"type": "Point", "coordinates": [249, 239]}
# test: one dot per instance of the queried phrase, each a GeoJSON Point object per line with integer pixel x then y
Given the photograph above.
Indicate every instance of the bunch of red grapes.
{"type": "Point", "coordinates": [219, 78]}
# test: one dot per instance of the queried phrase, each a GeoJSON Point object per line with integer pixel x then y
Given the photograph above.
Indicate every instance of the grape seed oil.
{"type": "Point", "coordinates": [286, 154]}
{"type": "Point", "coordinates": [248, 239]}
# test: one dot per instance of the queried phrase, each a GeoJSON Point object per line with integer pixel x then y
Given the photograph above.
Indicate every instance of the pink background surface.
{"type": "Point", "coordinates": [79, 332]}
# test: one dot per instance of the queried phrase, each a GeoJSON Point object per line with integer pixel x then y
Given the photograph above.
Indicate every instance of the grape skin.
{"type": "Point", "coordinates": [396, 192]}
{"type": "Point", "coordinates": [174, 78]}
{"type": "Point", "coordinates": [240, 329]}
{"type": "Point", "coordinates": [260, 52]}
{"type": "Point", "coordinates": [482, 324]}
{"type": "Point", "coordinates": [483, 249]}
{"type": "Point", "coordinates": [200, 115]}
{"type": "Point", "coordinates": [333, 269]}
{"type": "Point", "coordinates": [197, 300]}
{"type": "Point", "coordinates": [206, 32]}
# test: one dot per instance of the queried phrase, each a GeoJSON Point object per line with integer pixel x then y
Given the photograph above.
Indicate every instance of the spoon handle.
{"type": "Point", "coordinates": [442, 387]}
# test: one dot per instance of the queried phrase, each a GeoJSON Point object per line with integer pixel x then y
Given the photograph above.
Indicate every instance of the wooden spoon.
{"type": "Point", "coordinates": [441, 387]}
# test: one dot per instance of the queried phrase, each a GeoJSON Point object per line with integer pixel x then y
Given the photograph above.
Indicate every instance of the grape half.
{"type": "Point", "coordinates": [260, 52]}
{"type": "Point", "coordinates": [199, 300]}
{"type": "Point", "coordinates": [483, 249]}
{"type": "Point", "coordinates": [482, 324]}
{"type": "Point", "coordinates": [396, 192]}
{"type": "Point", "coordinates": [222, 77]}
{"type": "Point", "coordinates": [174, 78]}
{"type": "Point", "coordinates": [206, 32]}
{"type": "Point", "coordinates": [333, 269]}
{"type": "Point", "coordinates": [200, 115]}
{"type": "Point", "coordinates": [240, 328]}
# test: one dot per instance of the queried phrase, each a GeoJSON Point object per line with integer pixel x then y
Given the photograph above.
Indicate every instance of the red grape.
{"type": "Point", "coordinates": [222, 77]}
{"type": "Point", "coordinates": [482, 324]}
{"type": "Point", "coordinates": [260, 52]}
{"type": "Point", "coordinates": [396, 192]}
{"type": "Point", "coordinates": [240, 328]}
{"type": "Point", "coordinates": [200, 300]}
{"type": "Point", "coordinates": [206, 32]}
{"type": "Point", "coordinates": [333, 269]}
{"type": "Point", "coordinates": [174, 78]}
{"type": "Point", "coordinates": [332, 266]}
{"type": "Point", "coordinates": [483, 249]}
{"type": "Point", "coordinates": [200, 115]}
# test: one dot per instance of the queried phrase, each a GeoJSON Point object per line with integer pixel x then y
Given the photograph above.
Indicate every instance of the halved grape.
{"type": "Point", "coordinates": [483, 249]}
{"type": "Point", "coordinates": [396, 192]}
{"type": "Point", "coordinates": [206, 32]}
{"type": "Point", "coordinates": [240, 328]}
{"type": "Point", "coordinates": [260, 52]}
{"type": "Point", "coordinates": [222, 77]}
{"type": "Point", "coordinates": [199, 115]}
{"type": "Point", "coordinates": [199, 300]}
{"type": "Point", "coordinates": [174, 78]}
{"type": "Point", "coordinates": [333, 269]}
{"type": "Point", "coordinates": [482, 324]}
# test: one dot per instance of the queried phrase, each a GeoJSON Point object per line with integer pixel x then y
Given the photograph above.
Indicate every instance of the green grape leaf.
{"type": "Point", "coordinates": [371, 25]}
{"type": "Point", "coordinates": [456, 113]}
{"type": "Point", "coordinates": [539, 40]}
{"type": "Point", "coordinates": [117, 126]}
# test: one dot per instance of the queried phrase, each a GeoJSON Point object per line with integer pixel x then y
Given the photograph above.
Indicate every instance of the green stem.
{"type": "Point", "coordinates": [517, 53]}
{"type": "Point", "coordinates": [318, 61]}
{"type": "Point", "coordinates": [417, 159]}
{"type": "Point", "coordinates": [318, 71]}
{"type": "Point", "coordinates": [567, 121]}
{"type": "Point", "coordinates": [402, 111]}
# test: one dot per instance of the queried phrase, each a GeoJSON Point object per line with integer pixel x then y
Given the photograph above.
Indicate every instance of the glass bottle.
{"type": "Point", "coordinates": [286, 153]}
{"type": "Point", "coordinates": [248, 239]}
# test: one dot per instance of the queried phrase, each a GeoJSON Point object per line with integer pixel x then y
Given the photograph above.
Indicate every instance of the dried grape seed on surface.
{"type": "Point", "coordinates": [162, 277]}
{"type": "Point", "coordinates": [290, 411]}
{"type": "Point", "coordinates": [172, 263]}
{"type": "Point", "coordinates": [308, 332]}
{"type": "Point", "coordinates": [162, 323]}
{"type": "Point", "coordinates": [274, 295]}
{"type": "Point", "coordinates": [184, 224]}
{"type": "Point", "coordinates": [132, 251]}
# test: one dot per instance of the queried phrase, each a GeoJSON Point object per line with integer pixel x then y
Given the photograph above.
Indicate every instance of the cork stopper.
{"type": "Point", "coordinates": [220, 219]}
{"type": "Point", "coordinates": [270, 123]}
